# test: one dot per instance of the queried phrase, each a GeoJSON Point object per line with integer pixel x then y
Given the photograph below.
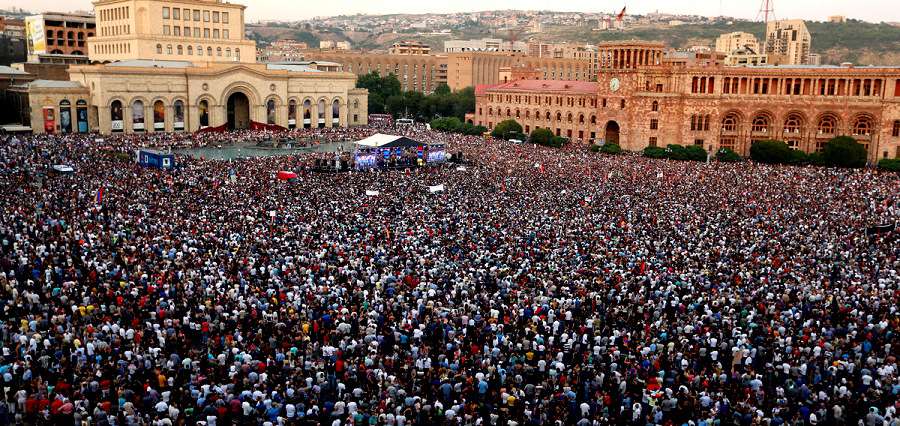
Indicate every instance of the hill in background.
{"type": "Point", "coordinates": [862, 43]}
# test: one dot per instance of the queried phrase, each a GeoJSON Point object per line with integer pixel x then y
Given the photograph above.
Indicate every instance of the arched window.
{"type": "Point", "coordinates": [292, 114]}
{"type": "Point", "coordinates": [159, 115]}
{"type": "Point", "coordinates": [178, 119]}
{"type": "Point", "coordinates": [622, 104]}
{"type": "Point", "coordinates": [490, 111]}
{"type": "Point", "coordinates": [730, 123]}
{"type": "Point", "coordinates": [209, 51]}
{"type": "Point", "coordinates": [65, 116]}
{"type": "Point", "coordinates": [827, 125]}
{"type": "Point", "coordinates": [655, 106]}
{"type": "Point", "coordinates": [321, 111]}
{"type": "Point", "coordinates": [159, 49]}
{"type": "Point", "coordinates": [862, 126]}
{"type": "Point", "coordinates": [508, 113]}
{"type": "Point", "coordinates": [580, 118]}
{"type": "Point", "coordinates": [168, 49]}
{"type": "Point", "coordinates": [270, 111]}
{"type": "Point", "coordinates": [793, 124]}
{"type": "Point", "coordinates": [237, 53]}
{"type": "Point", "coordinates": [760, 124]}
{"type": "Point", "coordinates": [137, 115]}
{"type": "Point", "coordinates": [517, 114]}
{"type": "Point", "coordinates": [558, 116]}
{"type": "Point", "coordinates": [203, 111]}
{"type": "Point", "coordinates": [895, 131]}
{"type": "Point", "coordinates": [307, 113]}
{"type": "Point", "coordinates": [190, 50]}
{"type": "Point", "coordinates": [228, 52]}
{"type": "Point", "coordinates": [593, 119]}
{"type": "Point", "coordinates": [218, 51]}
{"type": "Point", "coordinates": [547, 115]}
{"type": "Point", "coordinates": [527, 114]}
{"type": "Point", "coordinates": [199, 50]}
{"type": "Point", "coordinates": [335, 113]}
{"type": "Point", "coordinates": [569, 117]}
{"type": "Point", "coordinates": [116, 116]}
{"type": "Point", "coordinates": [179, 50]}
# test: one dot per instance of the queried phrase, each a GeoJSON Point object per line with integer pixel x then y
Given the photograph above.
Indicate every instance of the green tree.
{"type": "Point", "coordinates": [655, 152]}
{"type": "Point", "coordinates": [611, 148]}
{"type": "Point", "coordinates": [889, 164]}
{"type": "Point", "coordinates": [726, 155]}
{"type": "Point", "coordinates": [772, 152]}
{"type": "Point", "coordinates": [541, 136]}
{"type": "Point", "coordinates": [447, 124]}
{"type": "Point", "coordinates": [442, 89]}
{"type": "Point", "coordinates": [844, 151]}
{"type": "Point", "coordinates": [506, 128]}
{"type": "Point", "coordinates": [380, 89]}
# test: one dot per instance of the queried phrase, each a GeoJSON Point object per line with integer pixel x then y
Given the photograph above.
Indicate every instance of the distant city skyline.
{"type": "Point", "coordinates": [265, 10]}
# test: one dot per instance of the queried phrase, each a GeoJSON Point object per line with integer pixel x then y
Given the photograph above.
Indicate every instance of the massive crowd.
{"type": "Point", "coordinates": [539, 287]}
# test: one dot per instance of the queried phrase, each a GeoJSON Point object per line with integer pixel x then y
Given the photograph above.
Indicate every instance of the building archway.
{"type": "Point", "coordinates": [612, 132]}
{"type": "Point", "coordinates": [238, 108]}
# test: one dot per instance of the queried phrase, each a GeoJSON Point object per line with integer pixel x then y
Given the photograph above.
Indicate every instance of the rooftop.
{"type": "Point", "coordinates": [55, 84]}
{"type": "Point", "coordinates": [292, 67]}
{"type": "Point", "coordinates": [150, 63]}
{"type": "Point", "coordinates": [567, 86]}
{"type": "Point", "coordinates": [6, 70]}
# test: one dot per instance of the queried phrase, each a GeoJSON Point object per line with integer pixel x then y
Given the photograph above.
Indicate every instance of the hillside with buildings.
{"type": "Point", "coordinates": [844, 41]}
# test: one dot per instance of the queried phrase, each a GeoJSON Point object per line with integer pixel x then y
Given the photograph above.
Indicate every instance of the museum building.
{"type": "Point", "coordinates": [170, 66]}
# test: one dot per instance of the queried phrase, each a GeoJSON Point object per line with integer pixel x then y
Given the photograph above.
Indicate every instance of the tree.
{"type": "Point", "coordinates": [655, 152]}
{"type": "Point", "coordinates": [889, 164]}
{"type": "Point", "coordinates": [844, 151]}
{"type": "Point", "coordinates": [442, 89]}
{"type": "Point", "coordinates": [380, 89]}
{"type": "Point", "coordinates": [611, 148]}
{"type": "Point", "coordinates": [506, 128]}
{"type": "Point", "coordinates": [541, 136]}
{"type": "Point", "coordinates": [726, 155]}
{"type": "Point", "coordinates": [772, 152]}
{"type": "Point", "coordinates": [447, 124]}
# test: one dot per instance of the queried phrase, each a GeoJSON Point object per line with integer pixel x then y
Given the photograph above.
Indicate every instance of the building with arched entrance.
{"type": "Point", "coordinates": [641, 103]}
{"type": "Point", "coordinates": [189, 83]}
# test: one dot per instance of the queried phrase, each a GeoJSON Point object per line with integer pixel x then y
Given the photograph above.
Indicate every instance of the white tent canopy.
{"type": "Point", "coordinates": [381, 140]}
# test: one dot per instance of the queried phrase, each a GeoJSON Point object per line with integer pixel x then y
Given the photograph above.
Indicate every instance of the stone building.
{"type": "Point", "coordinates": [188, 83]}
{"type": "Point", "coordinates": [423, 73]}
{"type": "Point", "coordinates": [788, 42]}
{"type": "Point", "coordinates": [712, 106]}
{"type": "Point", "coordinates": [185, 30]}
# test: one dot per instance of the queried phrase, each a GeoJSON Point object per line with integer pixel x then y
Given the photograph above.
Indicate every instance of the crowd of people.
{"type": "Point", "coordinates": [540, 286]}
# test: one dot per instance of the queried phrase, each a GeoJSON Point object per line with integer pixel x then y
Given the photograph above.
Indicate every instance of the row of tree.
{"type": "Point", "coordinates": [386, 96]}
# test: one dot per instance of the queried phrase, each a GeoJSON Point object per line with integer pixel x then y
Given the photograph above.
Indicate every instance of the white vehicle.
{"type": "Point", "coordinates": [516, 141]}
{"type": "Point", "coordinates": [405, 122]}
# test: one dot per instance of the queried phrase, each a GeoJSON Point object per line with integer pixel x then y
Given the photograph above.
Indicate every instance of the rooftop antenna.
{"type": "Point", "coordinates": [766, 8]}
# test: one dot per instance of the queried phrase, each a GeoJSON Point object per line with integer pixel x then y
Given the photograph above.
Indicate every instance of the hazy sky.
{"type": "Point", "coordinates": [869, 10]}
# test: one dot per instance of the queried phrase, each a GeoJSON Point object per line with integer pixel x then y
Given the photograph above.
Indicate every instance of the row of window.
{"type": "Point", "coordinates": [113, 48]}
{"type": "Point", "coordinates": [114, 30]}
{"type": "Point", "coordinates": [828, 125]}
{"type": "Point", "coordinates": [115, 13]}
{"type": "Point", "coordinates": [180, 50]}
{"type": "Point", "coordinates": [117, 114]}
{"type": "Point", "coordinates": [176, 13]}
{"type": "Point", "coordinates": [196, 32]}
{"type": "Point", "coordinates": [793, 86]}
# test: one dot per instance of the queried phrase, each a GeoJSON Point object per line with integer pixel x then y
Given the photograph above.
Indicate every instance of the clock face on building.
{"type": "Point", "coordinates": [614, 84]}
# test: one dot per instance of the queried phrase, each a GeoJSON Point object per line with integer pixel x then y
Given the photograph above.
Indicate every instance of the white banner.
{"type": "Point", "coordinates": [117, 125]}
{"type": "Point", "coordinates": [138, 126]}
{"type": "Point", "coordinates": [292, 122]}
{"type": "Point", "coordinates": [159, 126]}
{"type": "Point", "coordinates": [436, 188]}
{"type": "Point", "coordinates": [372, 193]}
{"type": "Point", "coordinates": [178, 125]}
